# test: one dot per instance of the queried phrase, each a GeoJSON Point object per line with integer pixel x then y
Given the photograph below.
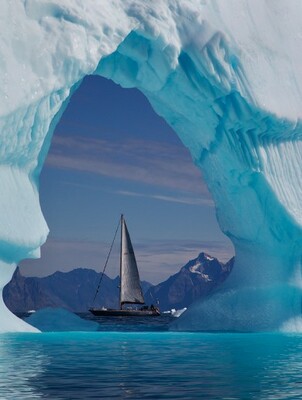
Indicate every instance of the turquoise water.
{"type": "Point", "coordinates": [150, 365]}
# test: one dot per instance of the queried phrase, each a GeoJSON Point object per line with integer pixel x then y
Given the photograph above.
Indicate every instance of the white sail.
{"type": "Point", "coordinates": [131, 291]}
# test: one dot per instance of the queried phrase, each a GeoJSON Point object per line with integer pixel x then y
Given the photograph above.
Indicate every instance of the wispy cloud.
{"type": "Point", "coordinates": [148, 162]}
{"type": "Point", "coordinates": [196, 201]}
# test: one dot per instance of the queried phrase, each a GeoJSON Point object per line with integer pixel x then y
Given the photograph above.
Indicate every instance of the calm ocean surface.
{"type": "Point", "coordinates": [142, 360]}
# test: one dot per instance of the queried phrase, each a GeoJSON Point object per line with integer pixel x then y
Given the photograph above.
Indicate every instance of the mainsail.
{"type": "Point", "coordinates": [131, 291]}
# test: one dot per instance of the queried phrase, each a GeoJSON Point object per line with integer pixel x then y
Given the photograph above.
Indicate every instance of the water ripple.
{"type": "Point", "coordinates": [150, 365]}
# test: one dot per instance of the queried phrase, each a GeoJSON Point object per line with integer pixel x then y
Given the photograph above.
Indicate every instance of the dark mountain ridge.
{"type": "Point", "coordinates": [72, 290]}
{"type": "Point", "coordinates": [75, 290]}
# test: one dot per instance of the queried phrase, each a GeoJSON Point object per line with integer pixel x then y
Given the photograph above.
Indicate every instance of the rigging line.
{"type": "Point", "coordinates": [118, 225]}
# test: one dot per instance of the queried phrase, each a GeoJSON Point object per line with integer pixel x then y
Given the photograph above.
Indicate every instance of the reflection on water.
{"type": "Point", "coordinates": [20, 364]}
{"type": "Point", "coordinates": [153, 365]}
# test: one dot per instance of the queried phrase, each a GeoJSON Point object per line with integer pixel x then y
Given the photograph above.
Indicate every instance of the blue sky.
{"type": "Point", "coordinates": [112, 154]}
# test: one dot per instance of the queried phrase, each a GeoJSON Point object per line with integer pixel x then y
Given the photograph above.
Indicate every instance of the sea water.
{"type": "Point", "coordinates": [123, 363]}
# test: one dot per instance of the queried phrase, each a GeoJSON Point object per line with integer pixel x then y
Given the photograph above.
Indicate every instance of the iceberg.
{"type": "Point", "coordinates": [60, 320]}
{"type": "Point", "coordinates": [225, 75]}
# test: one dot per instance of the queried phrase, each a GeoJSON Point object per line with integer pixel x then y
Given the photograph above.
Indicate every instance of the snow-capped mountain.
{"type": "Point", "coordinates": [195, 280]}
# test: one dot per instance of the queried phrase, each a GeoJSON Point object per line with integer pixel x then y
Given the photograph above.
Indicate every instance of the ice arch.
{"type": "Point", "coordinates": [225, 75]}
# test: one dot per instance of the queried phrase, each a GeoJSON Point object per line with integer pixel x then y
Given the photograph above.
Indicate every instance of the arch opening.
{"type": "Point", "coordinates": [111, 153]}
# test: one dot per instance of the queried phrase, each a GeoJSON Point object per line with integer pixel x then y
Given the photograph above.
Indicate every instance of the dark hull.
{"type": "Point", "coordinates": [124, 313]}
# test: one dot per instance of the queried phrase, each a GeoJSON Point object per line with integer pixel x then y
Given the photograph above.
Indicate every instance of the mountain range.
{"type": "Point", "coordinates": [75, 290]}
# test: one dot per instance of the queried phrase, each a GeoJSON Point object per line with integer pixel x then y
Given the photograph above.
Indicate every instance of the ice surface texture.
{"type": "Point", "coordinates": [226, 76]}
{"type": "Point", "coordinates": [60, 320]}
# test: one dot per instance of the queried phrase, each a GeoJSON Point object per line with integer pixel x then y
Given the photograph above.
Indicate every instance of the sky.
{"type": "Point", "coordinates": [112, 154]}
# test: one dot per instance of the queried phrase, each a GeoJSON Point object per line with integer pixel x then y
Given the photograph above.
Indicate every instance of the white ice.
{"type": "Point", "coordinates": [226, 75]}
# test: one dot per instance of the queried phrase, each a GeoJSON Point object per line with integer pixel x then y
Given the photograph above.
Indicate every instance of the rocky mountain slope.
{"type": "Point", "coordinates": [195, 280]}
{"type": "Point", "coordinates": [72, 290]}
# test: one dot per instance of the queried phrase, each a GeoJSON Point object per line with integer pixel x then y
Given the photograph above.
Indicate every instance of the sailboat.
{"type": "Point", "coordinates": [130, 288]}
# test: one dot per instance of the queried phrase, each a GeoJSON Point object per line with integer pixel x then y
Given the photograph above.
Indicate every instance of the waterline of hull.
{"type": "Point", "coordinates": [124, 313]}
